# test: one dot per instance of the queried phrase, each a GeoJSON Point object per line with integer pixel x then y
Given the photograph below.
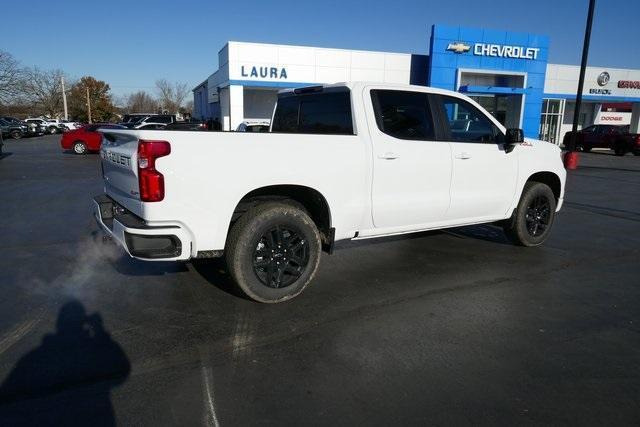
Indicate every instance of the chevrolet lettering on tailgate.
{"type": "Point", "coordinates": [117, 158]}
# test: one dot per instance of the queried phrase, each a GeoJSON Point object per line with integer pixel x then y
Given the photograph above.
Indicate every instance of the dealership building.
{"type": "Point", "coordinates": [506, 72]}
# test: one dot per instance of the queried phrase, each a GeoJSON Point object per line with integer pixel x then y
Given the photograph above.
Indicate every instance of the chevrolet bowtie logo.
{"type": "Point", "coordinates": [459, 47]}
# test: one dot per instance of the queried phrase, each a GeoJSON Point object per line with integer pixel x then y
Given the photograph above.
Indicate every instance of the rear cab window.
{"type": "Point", "coordinates": [326, 111]}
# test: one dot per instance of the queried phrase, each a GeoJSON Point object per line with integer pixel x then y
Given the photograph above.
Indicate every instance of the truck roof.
{"type": "Point", "coordinates": [355, 85]}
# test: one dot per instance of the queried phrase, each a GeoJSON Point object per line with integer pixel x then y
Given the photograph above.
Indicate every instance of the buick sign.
{"type": "Point", "coordinates": [603, 78]}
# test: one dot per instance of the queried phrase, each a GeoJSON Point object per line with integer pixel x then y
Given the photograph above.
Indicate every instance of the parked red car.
{"type": "Point", "coordinates": [86, 138]}
{"type": "Point", "coordinates": [614, 137]}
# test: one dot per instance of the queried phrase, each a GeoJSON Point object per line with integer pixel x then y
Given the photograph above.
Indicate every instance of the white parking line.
{"type": "Point", "coordinates": [210, 417]}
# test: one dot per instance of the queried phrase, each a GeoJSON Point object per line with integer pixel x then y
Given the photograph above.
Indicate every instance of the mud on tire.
{"type": "Point", "coordinates": [273, 251]}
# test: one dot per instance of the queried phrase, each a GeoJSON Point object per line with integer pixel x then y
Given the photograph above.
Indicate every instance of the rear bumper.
{"type": "Point", "coordinates": [137, 237]}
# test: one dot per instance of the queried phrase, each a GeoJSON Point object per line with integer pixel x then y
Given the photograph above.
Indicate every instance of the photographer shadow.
{"type": "Point", "coordinates": [67, 380]}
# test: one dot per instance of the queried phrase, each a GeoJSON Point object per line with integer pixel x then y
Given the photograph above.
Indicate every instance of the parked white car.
{"type": "Point", "coordinates": [50, 125]}
{"type": "Point", "coordinates": [254, 126]}
{"type": "Point", "coordinates": [70, 125]}
{"type": "Point", "coordinates": [344, 161]}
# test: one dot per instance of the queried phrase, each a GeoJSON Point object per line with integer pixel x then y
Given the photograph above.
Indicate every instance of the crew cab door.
{"type": "Point", "coordinates": [411, 169]}
{"type": "Point", "coordinates": [484, 175]}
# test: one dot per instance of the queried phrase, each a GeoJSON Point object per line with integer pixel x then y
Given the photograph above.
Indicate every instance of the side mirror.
{"type": "Point", "coordinates": [514, 136]}
{"type": "Point", "coordinates": [511, 138]}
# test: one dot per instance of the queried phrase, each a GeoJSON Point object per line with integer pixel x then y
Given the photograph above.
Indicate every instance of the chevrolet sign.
{"type": "Point", "coordinates": [459, 47]}
{"type": "Point", "coordinates": [505, 51]}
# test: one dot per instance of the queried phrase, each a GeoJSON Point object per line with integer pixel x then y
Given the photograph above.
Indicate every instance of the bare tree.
{"type": "Point", "coordinates": [43, 88]}
{"type": "Point", "coordinates": [10, 77]}
{"type": "Point", "coordinates": [141, 102]}
{"type": "Point", "coordinates": [171, 95]}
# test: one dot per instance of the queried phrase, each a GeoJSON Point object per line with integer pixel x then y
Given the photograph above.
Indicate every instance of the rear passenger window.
{"type": "Point", "coordinates": [403, 114]}
{"type": "Point", "coordinates": [286, 117]}
{"type": "Point", "coordinates": [318, 113]}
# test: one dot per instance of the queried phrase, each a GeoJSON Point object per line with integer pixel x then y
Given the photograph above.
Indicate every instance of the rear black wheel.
{"type": "Point", "coordinates": [15, 134]}
{"type": "Point", "coordinates": [531, 222]}
{"type": "Point", "coordinates": [273, 251]}
{"type": "Point", "coordinates": [586, 148]}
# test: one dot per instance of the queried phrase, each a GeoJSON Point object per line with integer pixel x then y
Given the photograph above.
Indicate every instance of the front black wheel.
{"type": "Point", "coordinates": [531, 222]}
{"type": "Point", "coordinates": [273, 251]}
{"type": "Point", "coordinates": [15, 134]}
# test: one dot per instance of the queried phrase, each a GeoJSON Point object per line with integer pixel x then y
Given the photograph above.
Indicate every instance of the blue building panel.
{"type": "Point", "coordinates": [456, 48]}
{"type": "Point", "coordinates": [493, 36]}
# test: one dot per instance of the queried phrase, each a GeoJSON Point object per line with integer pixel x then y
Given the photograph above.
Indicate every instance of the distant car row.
{"type": "Point", "coordinates": [88, 138]}
{"type": "Point", "coordinates": [16, 129]}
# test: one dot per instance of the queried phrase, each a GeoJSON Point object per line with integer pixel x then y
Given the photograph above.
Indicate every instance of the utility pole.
{"type": "Point", "coordinates": [64, 99]}
{"type": "Point", "coordinates": [571, 158]}
{"type": "Point", "coordinates": [88, 106]}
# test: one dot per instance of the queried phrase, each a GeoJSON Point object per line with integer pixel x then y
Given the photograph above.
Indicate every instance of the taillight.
{"type": "Point", "coordinates": [638, 140]}
{"type": "Point", "coordinates": [151, 181]}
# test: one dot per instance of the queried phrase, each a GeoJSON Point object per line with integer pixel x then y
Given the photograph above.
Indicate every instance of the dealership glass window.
{"type": "Point", "coordinates": [402, 114]}
{"type": "Point", "coordinates": [322, 113]}
{"type": "Point", "coordinates": [550, 119]}
{"type": "Point", "coordinates": [467, 123]}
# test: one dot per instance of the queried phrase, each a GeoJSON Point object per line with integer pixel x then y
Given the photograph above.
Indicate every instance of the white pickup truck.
{"type": "Point", "coordinates": [343, 161]}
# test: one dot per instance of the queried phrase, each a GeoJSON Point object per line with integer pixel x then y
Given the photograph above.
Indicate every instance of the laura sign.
{"type": "Point", "coordinates": [263, 72]}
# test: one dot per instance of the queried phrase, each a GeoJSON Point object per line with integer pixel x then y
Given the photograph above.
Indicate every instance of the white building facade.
{"type": "Point", "coordinates": [505, 72]}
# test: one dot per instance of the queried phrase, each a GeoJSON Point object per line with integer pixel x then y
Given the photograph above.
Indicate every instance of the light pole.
{"type": "Point", "coordinates": [571, 157]}
{"type": "Point", "coordinates": [64, 99]}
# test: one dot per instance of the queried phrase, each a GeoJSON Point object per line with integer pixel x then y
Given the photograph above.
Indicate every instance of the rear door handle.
{"type": "Point", "coordinates": [388, 156]}
{"type": "Point", "coordinates": [463, 156]}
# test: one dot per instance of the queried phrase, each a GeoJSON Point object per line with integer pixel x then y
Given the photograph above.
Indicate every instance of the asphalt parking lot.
{"type": "Point", "coordinates": [457, 327]}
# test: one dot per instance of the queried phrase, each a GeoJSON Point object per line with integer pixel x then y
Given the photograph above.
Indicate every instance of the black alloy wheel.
{"type": "Point", "coordinates": [538, 215]}
{"type": "Point", "coordinates": [281, 256]}
{"type": "Point", "coordinates": [15, 134]}
{"type": "Point", "coordinates": [530, 224]}
{"type": "Point", "coordinates": [273, 251]}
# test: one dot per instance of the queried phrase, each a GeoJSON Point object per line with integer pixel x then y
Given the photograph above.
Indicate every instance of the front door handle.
{"type": "Point", "coordinates": [463, 156]}
{"type": "Point", "coordinates": [388, 156]}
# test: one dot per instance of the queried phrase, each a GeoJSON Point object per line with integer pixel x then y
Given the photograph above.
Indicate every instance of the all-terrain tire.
{"type": "Point", "coordinates": [531, 222]}
{"type": "Point", "coordinates": [256, 251]}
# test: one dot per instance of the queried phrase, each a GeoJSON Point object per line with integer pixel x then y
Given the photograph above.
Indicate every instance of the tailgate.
{"type": "Point", "coordinates": [120, 169]}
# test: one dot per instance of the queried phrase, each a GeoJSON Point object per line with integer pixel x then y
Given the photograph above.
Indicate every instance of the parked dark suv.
{"type": "Point", "coordinates": [12, 129]}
